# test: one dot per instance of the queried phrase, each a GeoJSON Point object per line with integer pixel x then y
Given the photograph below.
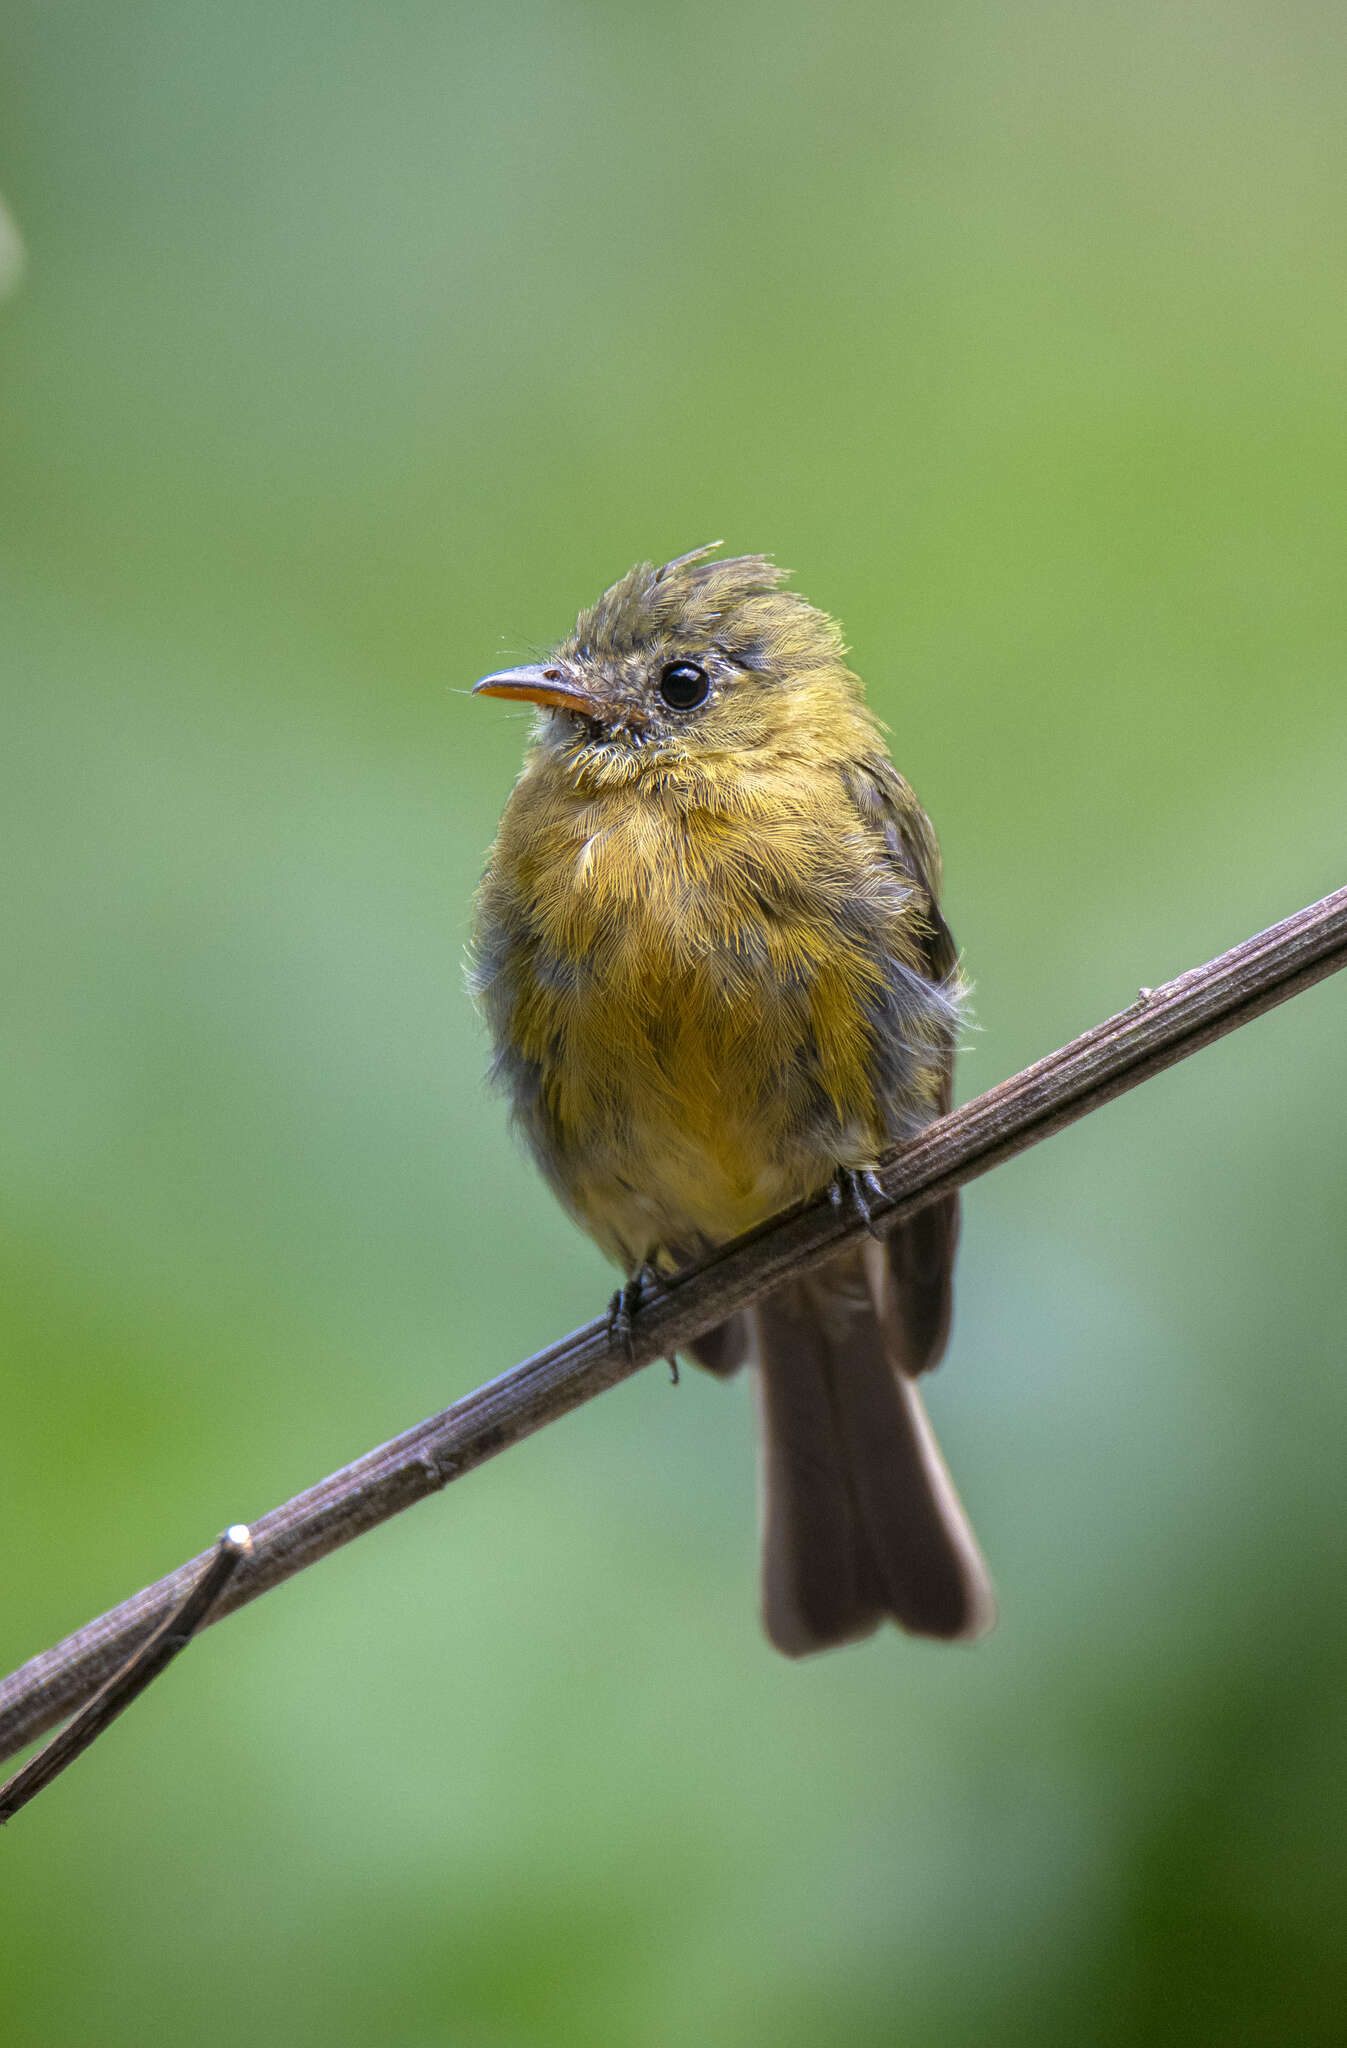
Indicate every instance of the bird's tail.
{"type": "Point", "coordinates": [860, 1519]}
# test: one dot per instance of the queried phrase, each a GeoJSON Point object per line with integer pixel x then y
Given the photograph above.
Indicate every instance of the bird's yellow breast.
{"type": "Point", "coordinates": [683, 984]}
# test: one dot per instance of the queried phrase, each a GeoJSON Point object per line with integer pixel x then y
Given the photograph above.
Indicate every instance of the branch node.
{"type": "Point", "coordinates": [130, 1681]}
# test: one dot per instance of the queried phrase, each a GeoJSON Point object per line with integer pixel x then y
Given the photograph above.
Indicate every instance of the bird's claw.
{"type": "Point", "coordinates": [858, 1188]}
{"type": "Point", "coordinates": [624, 1306]}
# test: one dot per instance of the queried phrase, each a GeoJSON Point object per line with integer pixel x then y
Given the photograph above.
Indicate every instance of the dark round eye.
{"type": "Point", "coordinates": [682, 685]}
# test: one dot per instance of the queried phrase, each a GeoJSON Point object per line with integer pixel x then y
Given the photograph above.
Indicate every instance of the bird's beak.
{"type": "Point", "coordinates": [546, 686]}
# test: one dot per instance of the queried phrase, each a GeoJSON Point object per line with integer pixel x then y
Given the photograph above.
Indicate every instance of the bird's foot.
{"type": "Point", "coordinates": [624, 1306]}
{"type": "Point", "coordinates": [858, 1189]}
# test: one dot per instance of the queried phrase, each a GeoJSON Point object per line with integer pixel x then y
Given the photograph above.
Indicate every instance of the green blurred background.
{"type": "Point", "coordinates": [358, 347]}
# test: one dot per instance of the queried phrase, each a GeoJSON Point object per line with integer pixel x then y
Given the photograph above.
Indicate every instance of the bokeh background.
{"type": "Point", "coordinates": [356, 348]}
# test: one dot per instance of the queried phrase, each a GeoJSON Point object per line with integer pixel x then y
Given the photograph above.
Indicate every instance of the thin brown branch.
{"type": "Point", "coordinates": [127, 1684]}
{"type": "Point", "coordinates": [1163, 1026]}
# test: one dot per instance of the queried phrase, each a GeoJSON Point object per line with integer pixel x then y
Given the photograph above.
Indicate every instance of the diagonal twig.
{"type": "Point", "coordinates": [1163, 1026]}
{"type": "Point", "coordinates": [127, 1684]}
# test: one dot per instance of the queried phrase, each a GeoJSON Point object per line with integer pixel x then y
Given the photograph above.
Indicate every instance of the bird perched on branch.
{"type": "Point", "coordinates": [711, 956]}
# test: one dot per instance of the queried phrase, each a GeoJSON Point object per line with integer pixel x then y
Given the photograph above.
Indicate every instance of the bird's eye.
{"type": "Point", "coordinates": [683, 685]}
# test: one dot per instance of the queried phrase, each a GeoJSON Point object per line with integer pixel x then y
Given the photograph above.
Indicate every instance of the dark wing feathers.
{"type": "Point", "coordinates": [919, 1301]}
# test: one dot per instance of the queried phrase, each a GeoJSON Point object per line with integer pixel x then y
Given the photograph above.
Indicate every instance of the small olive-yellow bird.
{"type": "Point", "coordinates": [711, 956]}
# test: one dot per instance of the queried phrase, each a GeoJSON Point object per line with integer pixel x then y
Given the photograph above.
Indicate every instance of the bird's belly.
{"type": "Point", "coordinates": [660, 1189]}
{"type": "Point", "coordinates": [700, 1026]}
{"type": "Point", "coordinates": [678, 1102]}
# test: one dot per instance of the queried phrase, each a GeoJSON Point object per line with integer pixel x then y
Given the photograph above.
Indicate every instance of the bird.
{"type": "Point", "coordinates": [710, 954]}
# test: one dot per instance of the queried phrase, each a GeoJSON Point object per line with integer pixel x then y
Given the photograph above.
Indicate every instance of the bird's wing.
{"type": "Point", "coordinates": [917, 1287]}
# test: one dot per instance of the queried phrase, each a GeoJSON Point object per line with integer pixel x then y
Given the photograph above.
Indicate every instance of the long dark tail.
{"type": "Point", "coordinates": [860, 1519]}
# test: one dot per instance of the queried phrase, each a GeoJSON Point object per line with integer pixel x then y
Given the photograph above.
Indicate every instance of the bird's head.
{"type": "Point", "coordinates": [677, 666]}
